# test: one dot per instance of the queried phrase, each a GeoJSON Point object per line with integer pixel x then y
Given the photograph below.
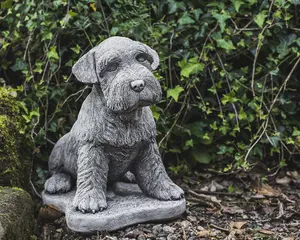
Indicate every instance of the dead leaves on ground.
{"type": "Point", "coordinates": [292, 177]}
{"type": "Point", "coordinates": [252, 207]}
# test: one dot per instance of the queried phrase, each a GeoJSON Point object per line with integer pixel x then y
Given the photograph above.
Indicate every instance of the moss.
{"type": "Point", "coordinates": [15, 162]}
{"type": "Point", "coordinates": [16, 214]}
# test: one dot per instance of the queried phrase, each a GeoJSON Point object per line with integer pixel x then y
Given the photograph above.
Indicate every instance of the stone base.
{"type": "Point", "coordinates": [127, 205]}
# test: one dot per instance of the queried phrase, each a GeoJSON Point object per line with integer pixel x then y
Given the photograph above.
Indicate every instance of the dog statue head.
{"type": "Point", "coordinates": [123, 69]}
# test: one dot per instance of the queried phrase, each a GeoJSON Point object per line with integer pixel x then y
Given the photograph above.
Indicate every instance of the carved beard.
{"type": "Point", "coordinates": [121, 98]}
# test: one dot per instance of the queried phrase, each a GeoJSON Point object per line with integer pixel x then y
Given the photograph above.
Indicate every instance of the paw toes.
{"type": "Point", "coordinates": [93, 205]}
{"type": "Point", "coordinates": [89, 204]}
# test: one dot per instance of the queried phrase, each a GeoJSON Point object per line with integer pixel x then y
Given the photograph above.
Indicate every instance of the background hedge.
{"type": "Point", "coordinates": [229, 72]}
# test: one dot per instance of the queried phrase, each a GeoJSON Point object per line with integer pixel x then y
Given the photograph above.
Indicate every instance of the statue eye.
{"type": "Point", "coordinates": [112, 67]}
{"type": "Point", "coordinates": [141, 57]}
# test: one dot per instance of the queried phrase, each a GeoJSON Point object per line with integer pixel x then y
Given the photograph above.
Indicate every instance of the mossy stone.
{"type": "Point", "coordinates": [16, 214]}
{"type": "Point", "coordinates": [15, 160]}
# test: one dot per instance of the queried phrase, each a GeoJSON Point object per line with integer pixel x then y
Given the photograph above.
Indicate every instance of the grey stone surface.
{"type": "Point", "coordinates": [115, 130]}
{"type": "Point", "coordinates": [126, 205]}
{"type": "Point", "coordinates": [16, 214]}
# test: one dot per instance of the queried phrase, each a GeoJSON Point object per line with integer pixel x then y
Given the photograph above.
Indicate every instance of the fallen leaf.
{"type": "Point", "coordinates": [214, 186]}
{"type": "Point", "coordinates": [294, 175]}
{"type": "Point", "coordinates": [266, 232]}
{"type": "Point", "coordinates": [232, 210]}
{"type": "Point", "coordinates": [283, 181]}
{"type": "Point", "coordinates": [49, 212]}
{"type": "Point", "coordinates": [204, 233]}
{"type": "Point", "coordinates": [267, 190]}
{"type": "Point", "coordinates": [237, 225]}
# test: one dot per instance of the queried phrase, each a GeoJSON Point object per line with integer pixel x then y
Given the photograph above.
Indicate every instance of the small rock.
{"type": "Point", "coordinates": [59, 230]}
{"type": "Point", "coordinates": [192, 218]}
{"type": "Point", "coordinates": [157, 229]}
{"type": "Point", "coordinates": [133, 234]}
{"type": "Point", "coordinates": [146, 230]}
{"type": "Point", "coordinates": [161, 235]}
{"type": "Point", "coordinates": [57, 236]}
{"type": "Point", "coordinates": [141, 237]}
{"type": "Point", "coordinates": [150, 236]}
{"type": "Point", "coordinates": [168, 229]}
{"type": "Point", "coordinates": [185, 224]}
{"type": "Point", "coordinates": [192, 238]}
{"type": "Point", "coordinates": [200, 228]}
{"type": "Point", "coordinates": [172, 237]}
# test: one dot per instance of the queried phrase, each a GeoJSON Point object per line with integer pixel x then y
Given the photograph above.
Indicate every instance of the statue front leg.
{"type": "Point", "coordinates": [91, 179]}
{"type": "Point", "coordinates": [152, 177]}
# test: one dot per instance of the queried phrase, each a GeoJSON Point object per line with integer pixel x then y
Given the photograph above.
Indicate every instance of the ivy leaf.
{"type": "Point", "coordinates": [19, 65]}
{"type": "Point", "coordinates": [296, 132]}
{"type": "Point", "coordinates": [174, 6]}
{"type": "Point", "coordinates": [72, 14]}
{"type": "Point", "coordinates": [221, 19]}
{"type": "Point", "coordinates": [175, 92]}
{"type": "Point", "coordinates": [185, 19]}
{"type": "Point", "coordinates": [6, 4]}
{"type": "Point", "coordinates": [47, 36]}
{"type": "Point", "coordinates": [189, 143]}
{"type": "Point", "coordinates": [192, 69]}
{"type": "Point", "coordinates": [229, 98]}
{"type": "Point", "coordinates": [225, 44]}
{"type": "Point", "coordinates": [76, 49]}
{"type": "Point", "coordinates": [274, 141]}
{"type": "Point", "coordinates": [201, 156]}
{"type": "Point", "coordinates": [237, 4]}
{"type": "Point", "coordinates": [52, 53]}
{"type": "Point", "coordinates": [260, 18]}
{"type": "Point", "coordinates": [192, 66]}
{"type": "Point", "coordinates": [217, 4]}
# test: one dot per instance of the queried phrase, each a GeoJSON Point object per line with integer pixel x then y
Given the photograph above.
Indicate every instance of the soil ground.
{"type": "Point", "coordinates": [229, 207]}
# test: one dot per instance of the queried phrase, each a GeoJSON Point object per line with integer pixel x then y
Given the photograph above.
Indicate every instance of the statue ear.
{"type": "Point", "coordinates": [154, 55]}
{"type": "Point", "coordinates": [85, 68]}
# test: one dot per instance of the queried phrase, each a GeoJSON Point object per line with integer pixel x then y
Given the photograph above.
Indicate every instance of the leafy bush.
{"type": "Point", "coordinates": [228, 70]}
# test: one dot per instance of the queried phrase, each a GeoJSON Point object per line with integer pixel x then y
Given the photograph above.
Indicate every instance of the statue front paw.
{"type": "Point", "coordinates": [90, 201]}
{"type": "Point", "coordinates": [168, 191]}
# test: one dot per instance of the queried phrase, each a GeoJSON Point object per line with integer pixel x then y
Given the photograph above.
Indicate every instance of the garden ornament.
{"type": "Point", "coordinates": [114, 137]}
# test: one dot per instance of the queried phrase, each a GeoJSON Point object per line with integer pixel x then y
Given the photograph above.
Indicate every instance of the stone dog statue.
{"type": "Point", "coordinates": [115, 131]}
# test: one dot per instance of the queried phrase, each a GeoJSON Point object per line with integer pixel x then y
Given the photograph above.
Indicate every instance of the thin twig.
{"type": "Point", "coordinates": [210, 199]}
{"type": "Point", "coordinates": [217, 95]}
{"type": "Point", "coordinates": [259, 45]}
{"type": "Point", "coordinates": [229, 87]}
{"type": "Point", "coordinates": [184, 234]}
{"type": "Point", "coordinates": [176, 119]}
{"type": "Point", "coordinates": [34, 189]}
{"type": "Point", "coordinates": [218, 228]}
{"type": "Point", "coordinates": [64, 102]}
{"type": "Point", "coordinates": [264, 128]}
{"type": "Point", "coordinates": [219, 193]}
{"type": "Point", "coordinates": [105, 20]}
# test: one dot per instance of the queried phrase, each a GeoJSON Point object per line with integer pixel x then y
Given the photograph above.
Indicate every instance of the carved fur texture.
{"type": "Point", "coordinates": [115, 130]}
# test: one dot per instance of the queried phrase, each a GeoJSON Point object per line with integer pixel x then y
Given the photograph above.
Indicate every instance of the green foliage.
{"type": "Point", "coordinates": [228, 71]}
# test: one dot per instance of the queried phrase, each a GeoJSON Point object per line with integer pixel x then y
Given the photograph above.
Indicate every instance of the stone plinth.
{"type": "Point", "coordinates": [127, 205]}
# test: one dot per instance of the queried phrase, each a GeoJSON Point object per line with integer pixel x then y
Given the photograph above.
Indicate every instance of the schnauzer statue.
{"type": "Point", "coordinates": [115, 131]}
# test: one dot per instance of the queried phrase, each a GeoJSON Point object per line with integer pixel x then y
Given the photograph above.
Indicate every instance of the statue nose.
{"type": "Point", "coordinates": [137, 85]}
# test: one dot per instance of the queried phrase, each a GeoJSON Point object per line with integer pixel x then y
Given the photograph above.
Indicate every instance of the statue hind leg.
{"type": "Point", "coordinates": [59, 182]}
